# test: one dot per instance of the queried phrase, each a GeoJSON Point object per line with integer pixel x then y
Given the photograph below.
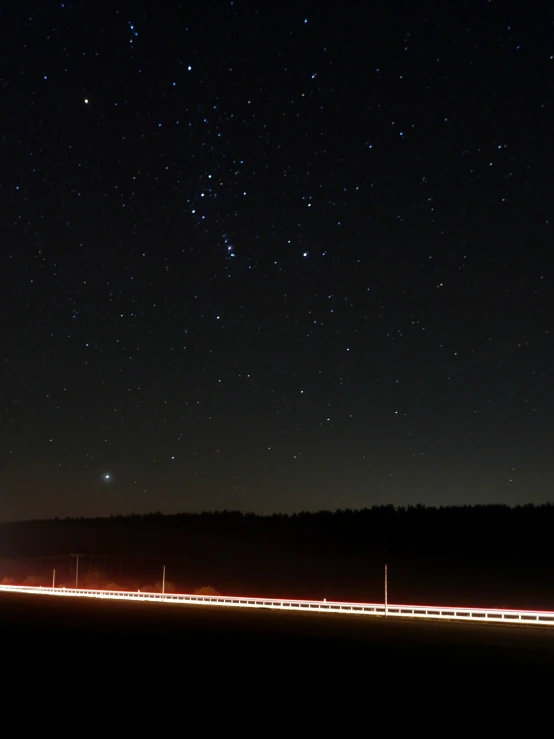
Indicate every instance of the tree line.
{"type": "Point", "coordinates": [419, 531]}
{"type": "Point", "coordinates": [488, 554]}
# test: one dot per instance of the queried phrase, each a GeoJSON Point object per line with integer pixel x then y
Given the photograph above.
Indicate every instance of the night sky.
{"type": "Point", "coordinates": [275, 256]}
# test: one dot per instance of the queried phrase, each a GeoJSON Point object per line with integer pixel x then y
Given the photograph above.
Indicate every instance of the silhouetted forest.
{"type": "Point", "coordinates": [479, 555]}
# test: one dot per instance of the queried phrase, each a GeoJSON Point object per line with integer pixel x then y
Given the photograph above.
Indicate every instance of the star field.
{"type": "Point", "coordinates": [275, 258]}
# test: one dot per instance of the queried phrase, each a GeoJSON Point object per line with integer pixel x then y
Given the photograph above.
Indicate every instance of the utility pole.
{"type": "Point", "coordinates": [54, 579]}
{"type": "Point", "coordinates": [386, 591]}
{"type": "Point", "coordinates": [77, 571]}
{"type": "Point", "coordinates": [163, 585]}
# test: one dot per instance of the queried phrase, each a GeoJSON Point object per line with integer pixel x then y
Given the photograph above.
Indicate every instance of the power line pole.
{"type": "Point", "coordinates": [386, 591]}
{"type": "Point", "coordinates": [163, 585]}
{"type": "Point", "coordinates": [77, 571]}
{"type": "Point", "coordinates": [54, 579]}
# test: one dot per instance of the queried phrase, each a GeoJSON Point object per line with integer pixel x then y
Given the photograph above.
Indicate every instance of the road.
{"type": "Point", "coordinates": [395, 611]}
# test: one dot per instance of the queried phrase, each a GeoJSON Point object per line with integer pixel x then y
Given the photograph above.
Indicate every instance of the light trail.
{"type": "Point", "coordinates": [447, 613]}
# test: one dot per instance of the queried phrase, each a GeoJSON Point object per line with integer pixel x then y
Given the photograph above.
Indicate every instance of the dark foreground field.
{"type": "Point", "coordinates": [392, 646]}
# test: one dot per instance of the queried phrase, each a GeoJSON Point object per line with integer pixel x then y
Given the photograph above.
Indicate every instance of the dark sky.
{"type": "Point", "coordinates": [275, 256]}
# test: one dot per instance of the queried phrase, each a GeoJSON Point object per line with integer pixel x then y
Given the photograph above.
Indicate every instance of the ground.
{"type": "Point", "coordinates": [390, 645]}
